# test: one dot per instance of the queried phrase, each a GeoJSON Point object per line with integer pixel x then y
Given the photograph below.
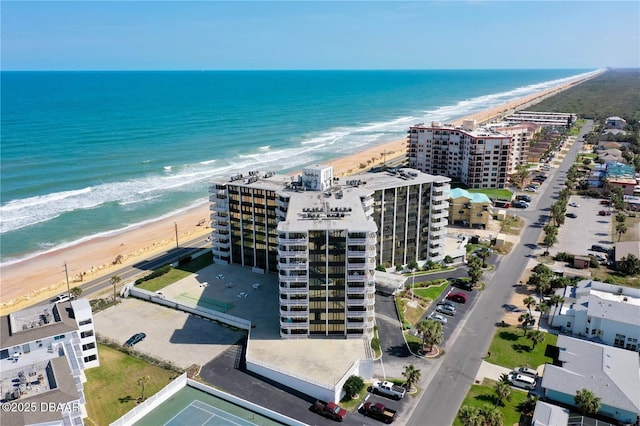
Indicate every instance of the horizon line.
{"type": "Point", "coordinates": [316, 69]}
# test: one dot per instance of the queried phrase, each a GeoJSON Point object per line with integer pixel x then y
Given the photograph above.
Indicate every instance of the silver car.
{"type": "Point", "coordinates": [438, 317]}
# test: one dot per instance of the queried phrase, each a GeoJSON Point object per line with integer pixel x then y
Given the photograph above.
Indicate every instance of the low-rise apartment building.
{"type": "Point", "coordinates": [469, 209]}
{"type": "Point", "coordinates": [44, 351]}
{"type": "Point", "coordinates": [602, 312]}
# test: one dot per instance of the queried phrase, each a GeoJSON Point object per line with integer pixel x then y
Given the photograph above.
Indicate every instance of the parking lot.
{"type": "Point", "coordinates": [577, 235]}
{"type": "Point", "coordinates": [172, 335]}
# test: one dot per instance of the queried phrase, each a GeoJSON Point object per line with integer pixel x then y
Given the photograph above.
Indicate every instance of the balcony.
{"type": "Point", "coordinates": [356, 314]}
{"type": "Point", "coordinates": [293, 241]}
{"type": "Point", "coordinates": [358, 278]}
{"type": "Point", "coordinates": [222, 244]}
{"type": "Point", "coordinates": [289, 323]}
{"type": "Point", "coordinates": [355, 323]}
{"type": "Point", "coordinates": [299, 266]}
{"type": "Point", "coordinates": [286, 254]}
{"type": "Point", "coordinates": [356, 253]}
{"type": "Point", "coordinates": [356, 289]}
{"type": "Point", "coordinates": [282, 204]}
{"type": "Point", "coordinates": [219, 207]}
{"type": "Point", "coordinates": [221, 253]}
{"type": "Point", "coordinates": [361, 301]}
{"type": "Point", "coordinates": [361, 266]}
{"type": "Point", "coordinates": [439, 214]}
{"type": "Point", "coordinates": [296, 315]}
{"type": "Point", "coordinates": [222, 226]}
{"type": "Point", "coordinates": [293, 278]}
{"type": "Point", "coordinates": [294, 302]}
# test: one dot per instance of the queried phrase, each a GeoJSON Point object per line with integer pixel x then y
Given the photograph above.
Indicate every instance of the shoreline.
{"type": "Point", "coordinates": [42, 276]}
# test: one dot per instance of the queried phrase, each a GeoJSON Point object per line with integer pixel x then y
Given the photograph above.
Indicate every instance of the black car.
{"type": "Point", "coordinates": [524, 198]}
{"type": "Point", "coordinates": [463, 284]}
{"type": "Point", "coordinates": [600, 249]}
{"type": "Point", "coordinates": [136, 338]}
{"type": "Point", "coordinates": [572, 215]}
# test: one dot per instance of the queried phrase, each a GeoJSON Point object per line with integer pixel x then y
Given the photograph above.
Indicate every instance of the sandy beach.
{"type": "Point", "coordinates": [43, 276]}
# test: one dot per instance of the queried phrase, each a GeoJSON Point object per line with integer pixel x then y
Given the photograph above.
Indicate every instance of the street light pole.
{"type": "Point", "coordinates": [175, 225]}
{"type": "Point", "coordinates": [66, 274]}
{"type": "Point", "coordinates": [413, 282]}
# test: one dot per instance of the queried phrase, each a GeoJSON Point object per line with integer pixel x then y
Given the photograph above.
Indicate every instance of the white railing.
{"type": "Point", "coordinates": [292, 266]}
{"type": "Point", "coordinates": [292, 253]}
{"type": "Point", "coordinates": [293, 278]}
{"type": "Point", "coordinates": [292, 241]}
{"type": "Point", "coordinates": [294, 302]}
{"type": "Point", "coordinates": [196, 310]}
{"type": "Point", "coordinates": [286, 290]}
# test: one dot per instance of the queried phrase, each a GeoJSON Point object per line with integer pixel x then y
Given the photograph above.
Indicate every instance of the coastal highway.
{"type": "Point", "coordinates": [129, 273]}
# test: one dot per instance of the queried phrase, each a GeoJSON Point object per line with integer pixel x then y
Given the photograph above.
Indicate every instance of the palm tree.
{"type": "Point", "coordinates": [412, 374]}
{"type": "Point", "coordinates": [142, 380]}
{"type": "Point", "coordinates": [491, 415]}
{"type": "Point", "coordinates": [431, 332]}
{"type": "Point", "coordinates": [529, 302]}
{"type": "Point", "coordinates": [629, 265]}
{"type": "Point", "coordinates": [114, 281]}
{"type": "Point", "coordinates": [526, 319]}
{"type": "Point", "coordinates": [474, 269]}
{"type": "Point", "coordinates": [536, 337]}
{"type": "Point", "coordinates": [556, 300]}
{"type": "Point", "coordinates": [621, 228]}
{"type": "Point", "coordinates": [470, 416]}
{"type": "Point", "coordinates": [587, 402]}
{"type": "Point", "coordinates": [522, 174]}
{"type": "Point", "coordinates": [503, 392]}
{"type": "Point", "coordinates": [76, 292]}
{"type": "Point", "coordinates": [544, 310]}
{"type": "Point", "coordinates": [528, 406]}
{"type": "Point", "coordinates": [484, 253]}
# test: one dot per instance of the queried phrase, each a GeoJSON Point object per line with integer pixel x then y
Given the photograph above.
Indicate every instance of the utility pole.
{"type": "Point", "coordinates": [175, 225]}
{"type": "Point", "coordinates": [66, 274]}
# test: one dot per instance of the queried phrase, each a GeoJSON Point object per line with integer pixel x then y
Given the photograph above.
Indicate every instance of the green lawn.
{"type": "Point", "coordinates": [480, 395]}
{"type": "Point", "coordinates": [501, 194]}
{"type": "Point", "coordinates": [431, 292]}
{"type": "Point", "coordinates": [111, 389]}
{"type": "Point", "coordinates": [511, 349]}
{"type": "Point", "coordinates": [176, 274]}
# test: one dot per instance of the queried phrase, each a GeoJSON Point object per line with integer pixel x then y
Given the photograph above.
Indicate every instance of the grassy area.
{"type": "Point", "coordinates": [112, 389]}
{"type": "Point", "coordinates": [431, 292]}
{"type": "Point", "coordinates": [176, 274]}
{"type": "Point", "coordinates": [501, 194]}
{"type": "Point", "coordinates": [606, 275]}
{"type": "Point", "coordinates": [512, 225]}
{"type": "Point", "coordinates": [511, 349]}
{"type": "Point", "coordinates": [633, 229]}
{"type": "Point", "coordinates": [483, 394]}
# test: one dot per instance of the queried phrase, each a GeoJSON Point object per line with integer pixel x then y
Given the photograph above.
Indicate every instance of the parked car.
{"type": "Point", "coordinates": [136, 338]}
{"type": "Point", "coordinates": [378, 411]}
{"type": "Point", "coordinates": [524, 198]}
{"type": "Point", "coordinates": [599, 248]}
{"type": "Point", "coordinates": [604, 213]}
{"type": "Point", "coordinates": [522, 381]}
{"type": "Point", "coordinates": [572, 215]}
{"type": "Point", "coordinates": [531, 189]}
{"type": "Point", "coordinates": [463, 284]}
{"type": "Point", "coordinates": [64, 297]}
{"type": "Point", "coordinates": [526, 371]}
{"type": "Point", "coordinates": [520, 204]}
{"type": "Point", "coordinates": [574, 204]}
{"type": "Point", "coordinates": [438, 317]}
{"type": "Point", "coordinates": [446, 309]}
{"type": "Point", "coordinates": [605, 202]}
{"type": "Point", "coordinates": [457, 297]}
{"type": "Point", "coordinates": [330, 410]}
{"type": "Point", "coordinates": [388, 389]}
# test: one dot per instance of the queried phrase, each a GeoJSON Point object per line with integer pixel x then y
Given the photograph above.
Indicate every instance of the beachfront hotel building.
{"type": "Point", "coordinates": [325, 235]}
{"type": "Point", "coordinates": [521, 135]}
{"type": "Point", "coordinates": [477, 156]}
{"type": "Point", "coordinates": [44, 351]}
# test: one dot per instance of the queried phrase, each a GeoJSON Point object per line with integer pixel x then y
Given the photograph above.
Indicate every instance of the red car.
{"type": "Point", "coordinates": [457, 297]}
{"type": "Point", "coordinates": [605, 202]}
{"type": "Point", "coordinates": [604, 213]}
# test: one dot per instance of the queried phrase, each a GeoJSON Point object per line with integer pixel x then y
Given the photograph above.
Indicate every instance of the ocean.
{"type": "Point", "coordinates": [85, 154]}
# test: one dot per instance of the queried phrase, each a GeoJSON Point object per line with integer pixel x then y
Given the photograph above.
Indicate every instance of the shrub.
{"type": "Point", "coordinates": [381, 268]}
{"type": "Point", "coordinates": [448, 259]}
{"type": "Point", "coordinates": [184, 260]}
{"type": "Point", "coordinates": [562, 257]}
{"type": "Point", "coordinates": [155, 274]}
{"type": "Point", "coordinates": [352, 386]}
{"type": "Point", "coordinates": [375, 344]}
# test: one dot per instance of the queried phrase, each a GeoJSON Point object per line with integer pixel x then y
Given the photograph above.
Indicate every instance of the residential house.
{"type": "Point", "coordinates": [622, 176]}
{"type": "Point", "coordinates": [611, 155]}
{"type": "Point", "coordinates": [615, 123]}
{"type": "Point", "coordinates": [612, 374]}
{"type": "Point", "coordinates": [602, 312]}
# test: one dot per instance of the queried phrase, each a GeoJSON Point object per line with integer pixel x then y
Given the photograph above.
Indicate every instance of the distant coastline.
{"type": "Point", "coordinates": [93, 256]}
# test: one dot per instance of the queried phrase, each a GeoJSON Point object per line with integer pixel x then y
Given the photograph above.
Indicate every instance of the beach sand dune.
{"type": "Point", "coordinates": [42, 277]}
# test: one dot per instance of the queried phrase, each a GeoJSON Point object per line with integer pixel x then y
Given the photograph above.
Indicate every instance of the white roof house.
{"type": "Point", "coordinates": [602, 312]}
{"type": "Point", "coordinates": [612, 374]}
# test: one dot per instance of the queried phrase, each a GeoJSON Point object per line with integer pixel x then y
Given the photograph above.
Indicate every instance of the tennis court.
{"type": "Point", "coordinates": [192, 407]}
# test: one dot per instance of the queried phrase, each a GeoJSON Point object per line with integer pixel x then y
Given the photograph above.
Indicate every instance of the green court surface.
{"type": "Point", "coordinates": [192, 407]}
{"type": "Point", "coordinates": [205, 302]}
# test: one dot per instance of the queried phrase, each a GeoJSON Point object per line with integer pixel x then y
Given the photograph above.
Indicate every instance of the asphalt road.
{"type": "Point", "coordinates": [453, 374]}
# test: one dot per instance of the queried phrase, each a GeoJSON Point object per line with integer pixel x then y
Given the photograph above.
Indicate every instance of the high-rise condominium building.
{"type": "Point", "coordinates": [322, 235]}
{"type": "Point", "coordinates": [478, 157]}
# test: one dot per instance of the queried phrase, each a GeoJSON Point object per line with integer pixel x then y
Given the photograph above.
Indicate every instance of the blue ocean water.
{"type": "Point", "coordinates": [90, 153]}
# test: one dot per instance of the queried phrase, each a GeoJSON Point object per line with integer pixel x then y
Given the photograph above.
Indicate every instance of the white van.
{"type": "Point", "coordinates": [522, 381]}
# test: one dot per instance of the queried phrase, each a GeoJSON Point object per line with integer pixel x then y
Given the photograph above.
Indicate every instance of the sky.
{"type": "Point", "coordinates": [267, 35]}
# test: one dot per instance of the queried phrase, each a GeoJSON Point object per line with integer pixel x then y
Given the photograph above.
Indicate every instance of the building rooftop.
{"type": "Point", "coordinates": [35, 323]}
{"type": "Point", "coordinates": [474, 197]}
{"type": "Point", "coordinates": [613, 374]}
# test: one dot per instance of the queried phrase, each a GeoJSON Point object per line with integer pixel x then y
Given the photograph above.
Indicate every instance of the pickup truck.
{"type": "Point", "coordinates": [379, 412]}
{"type": "Point", "coordinates": [330, 410]}
{"type": "Point", "coordinates": [388, 389]}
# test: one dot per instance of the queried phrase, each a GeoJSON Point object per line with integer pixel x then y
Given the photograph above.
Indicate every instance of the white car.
{"type": "Point", "coordinates": [522, 381]}
{"type": "Point", "coordinates": [61, 298]}
{"type": "Point", "coordinates": [437, 317]}
{"type": "Point", "coordinates": [574, 204]}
